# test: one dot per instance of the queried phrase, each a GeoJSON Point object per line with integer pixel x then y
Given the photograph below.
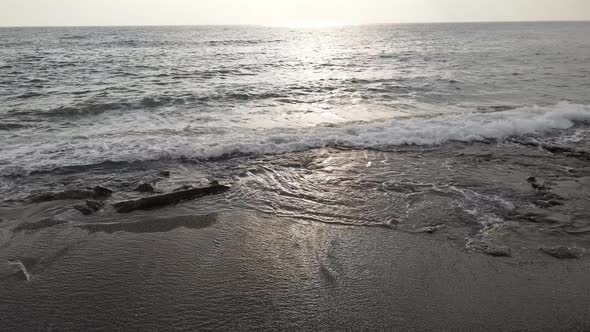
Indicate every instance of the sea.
{"type": "Point", "coordinates": [87, 95]}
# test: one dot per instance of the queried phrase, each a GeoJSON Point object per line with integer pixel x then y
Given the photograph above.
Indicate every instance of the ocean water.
{"type": "Point", "coordinates": [402, 126]}
{"type": "Point", "coordinates": [80, 96]}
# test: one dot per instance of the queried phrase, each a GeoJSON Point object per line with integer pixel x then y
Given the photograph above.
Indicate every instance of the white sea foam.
{"type": "Point", "coordinates": [155, 143]}
{"type": "Point", "coordinates": [463, 127]}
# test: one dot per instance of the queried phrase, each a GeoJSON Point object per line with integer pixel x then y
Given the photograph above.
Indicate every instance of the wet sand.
{"type": "Point", "coordinates": [250, 271]}
{"type": "Point", "coordinates": [412, 238]}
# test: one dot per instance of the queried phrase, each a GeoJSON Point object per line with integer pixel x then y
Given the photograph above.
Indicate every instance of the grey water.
{"type": "Point", "coordinates": [78, 96]}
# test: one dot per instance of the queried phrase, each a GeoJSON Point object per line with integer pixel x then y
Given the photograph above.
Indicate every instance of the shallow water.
{"type": "Point", "coordinates": [241, 272]}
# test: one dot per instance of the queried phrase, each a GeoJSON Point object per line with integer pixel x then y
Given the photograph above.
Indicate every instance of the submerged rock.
{"type": "Point", "coordinates": [167, 199]}
{"type": "Point", "coordinates": [96, 193]}
{"type": "Point", "coordinates": [102, 191]}
{"type": "Point", "coordinates": [94, 205]}
{"type": "Point", "coordinates": [164, 173]}
{"type": "Point", "coordinates": [489, 249]}
{"type": "Point", "coordinates": [539, 215]}
{"type": "Point", "coordinates": [144, 188]}
{"type": "Point", "coordinates": [570, 152]}
{"type": "Point", "coordinates": [562, 252]}
{"type": "Point", "coordinates": [82, 209]}
{"type": "Point", "coordinates": [556, 149]}
{"type": "Point", "coordinates": [89, 208]}
{"type": "Point", "coordinates": [185, 187]}
{"type": "Point", "coordinates": [548, 203]}
{"type": "Point", "coordinates": [427, 229]}
{"type": "Point", "coordinates": [33, 226]}
{"type": "Point", "coordinates": [537, 185]}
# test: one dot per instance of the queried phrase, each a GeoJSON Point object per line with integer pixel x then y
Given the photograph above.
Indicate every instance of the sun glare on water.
{"type": "Point", "coordinates": [310, 24]}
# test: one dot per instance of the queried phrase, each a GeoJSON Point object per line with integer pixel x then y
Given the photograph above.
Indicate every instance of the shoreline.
{"type": "Point", "coordinates": [454, 242]}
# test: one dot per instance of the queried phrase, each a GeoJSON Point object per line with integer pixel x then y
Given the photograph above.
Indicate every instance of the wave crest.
{"type": "Point", "coordinates": [194, 143]}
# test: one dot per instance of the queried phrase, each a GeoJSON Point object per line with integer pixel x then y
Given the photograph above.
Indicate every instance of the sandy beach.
{"type": "Point", "coordinates": [244, 272]}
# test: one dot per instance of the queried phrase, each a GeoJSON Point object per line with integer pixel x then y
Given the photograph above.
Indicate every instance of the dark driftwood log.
{"type": "Point", "coordinates": [167, 199]}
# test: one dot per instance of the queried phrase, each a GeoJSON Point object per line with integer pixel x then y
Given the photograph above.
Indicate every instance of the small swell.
{"type": "Point", "coordinates": [242, 96]}
{"type": "Point", "coordinates": [242, 42]}
{"type": "Point", "coordinates": [74, 37]}
{"type": "Point", "coordinates": [85, 109]}
{"type": "Point", "coordinates": [11, 126]}
{"type": "Point", "coordinates": [29, 95]}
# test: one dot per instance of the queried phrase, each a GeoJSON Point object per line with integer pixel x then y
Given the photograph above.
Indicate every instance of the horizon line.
{"type": "Point", "coordinates": [287, 26]}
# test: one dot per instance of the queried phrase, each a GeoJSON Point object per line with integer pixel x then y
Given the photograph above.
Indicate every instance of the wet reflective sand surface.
{"type": "Point", "coordinates": [407, 238]}
{"type": "Point", "coordinates": [252, 272]}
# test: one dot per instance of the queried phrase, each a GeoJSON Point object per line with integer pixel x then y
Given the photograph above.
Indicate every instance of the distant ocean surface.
{"type": "Point", "coordinates": [80, 96]}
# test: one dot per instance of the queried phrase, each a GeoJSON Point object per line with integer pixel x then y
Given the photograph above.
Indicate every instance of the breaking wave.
{"type": "Point", "coordinates": [194, 143]}
{"type": "Point", "coordinates": [465, 127]}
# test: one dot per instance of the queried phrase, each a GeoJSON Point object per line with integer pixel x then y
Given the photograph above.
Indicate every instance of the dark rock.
{"type": "Point", "coordinates": [94, 205]}
{"type": "Point", "coordinates": [528, 142]}
{"type": "Point", "coordinates": [569, 152]}
{"type": "Point", "coordinates": [144, 188]}
{"type": "Point", "coordinates": [540, 187]}
{"type": "Point", "coordinates": [489, 249]}
{"type": "Point", "coordinates": [533, 215]}
{"type": "Point", "coordinates": [84, 210]}
{"type": "Point", "coordinates": [562, 252]}
{"type": "Point", "coordinates": [547, 196]}
{"type": "Point", "coordinates": [538, 215]}
{"type": "Point", "coordinates": [185, 187]}
{"type": "Point", "coordinates": [164, 173]}
{"type": "Point", "coordinates": [33, 226]}
{"type": "Point", "coordinates": [102, 191]}
{"type": "Point", "coordinates": [554, 202]}
{"type": "Point", "coordinates": [167, 199]}
{"type": "Point", "coordinates": [96, 192]}
{"type": "Point", "coordinates": [214, 183]}
{"type": "Point", "coordinates": [536, 185]}
{"type": "Point", "coordinates": [548, 203]}
{"type": "Point", "coordinates": [90, 208]}
{"type": "Point", "coordinates": [558, 149]}
{"type": "Point", "coordinates": [427, 229]}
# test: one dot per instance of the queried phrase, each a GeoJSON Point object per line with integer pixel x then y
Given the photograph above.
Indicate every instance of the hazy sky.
{"type": "Point", "coordinates": [282, 12]}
